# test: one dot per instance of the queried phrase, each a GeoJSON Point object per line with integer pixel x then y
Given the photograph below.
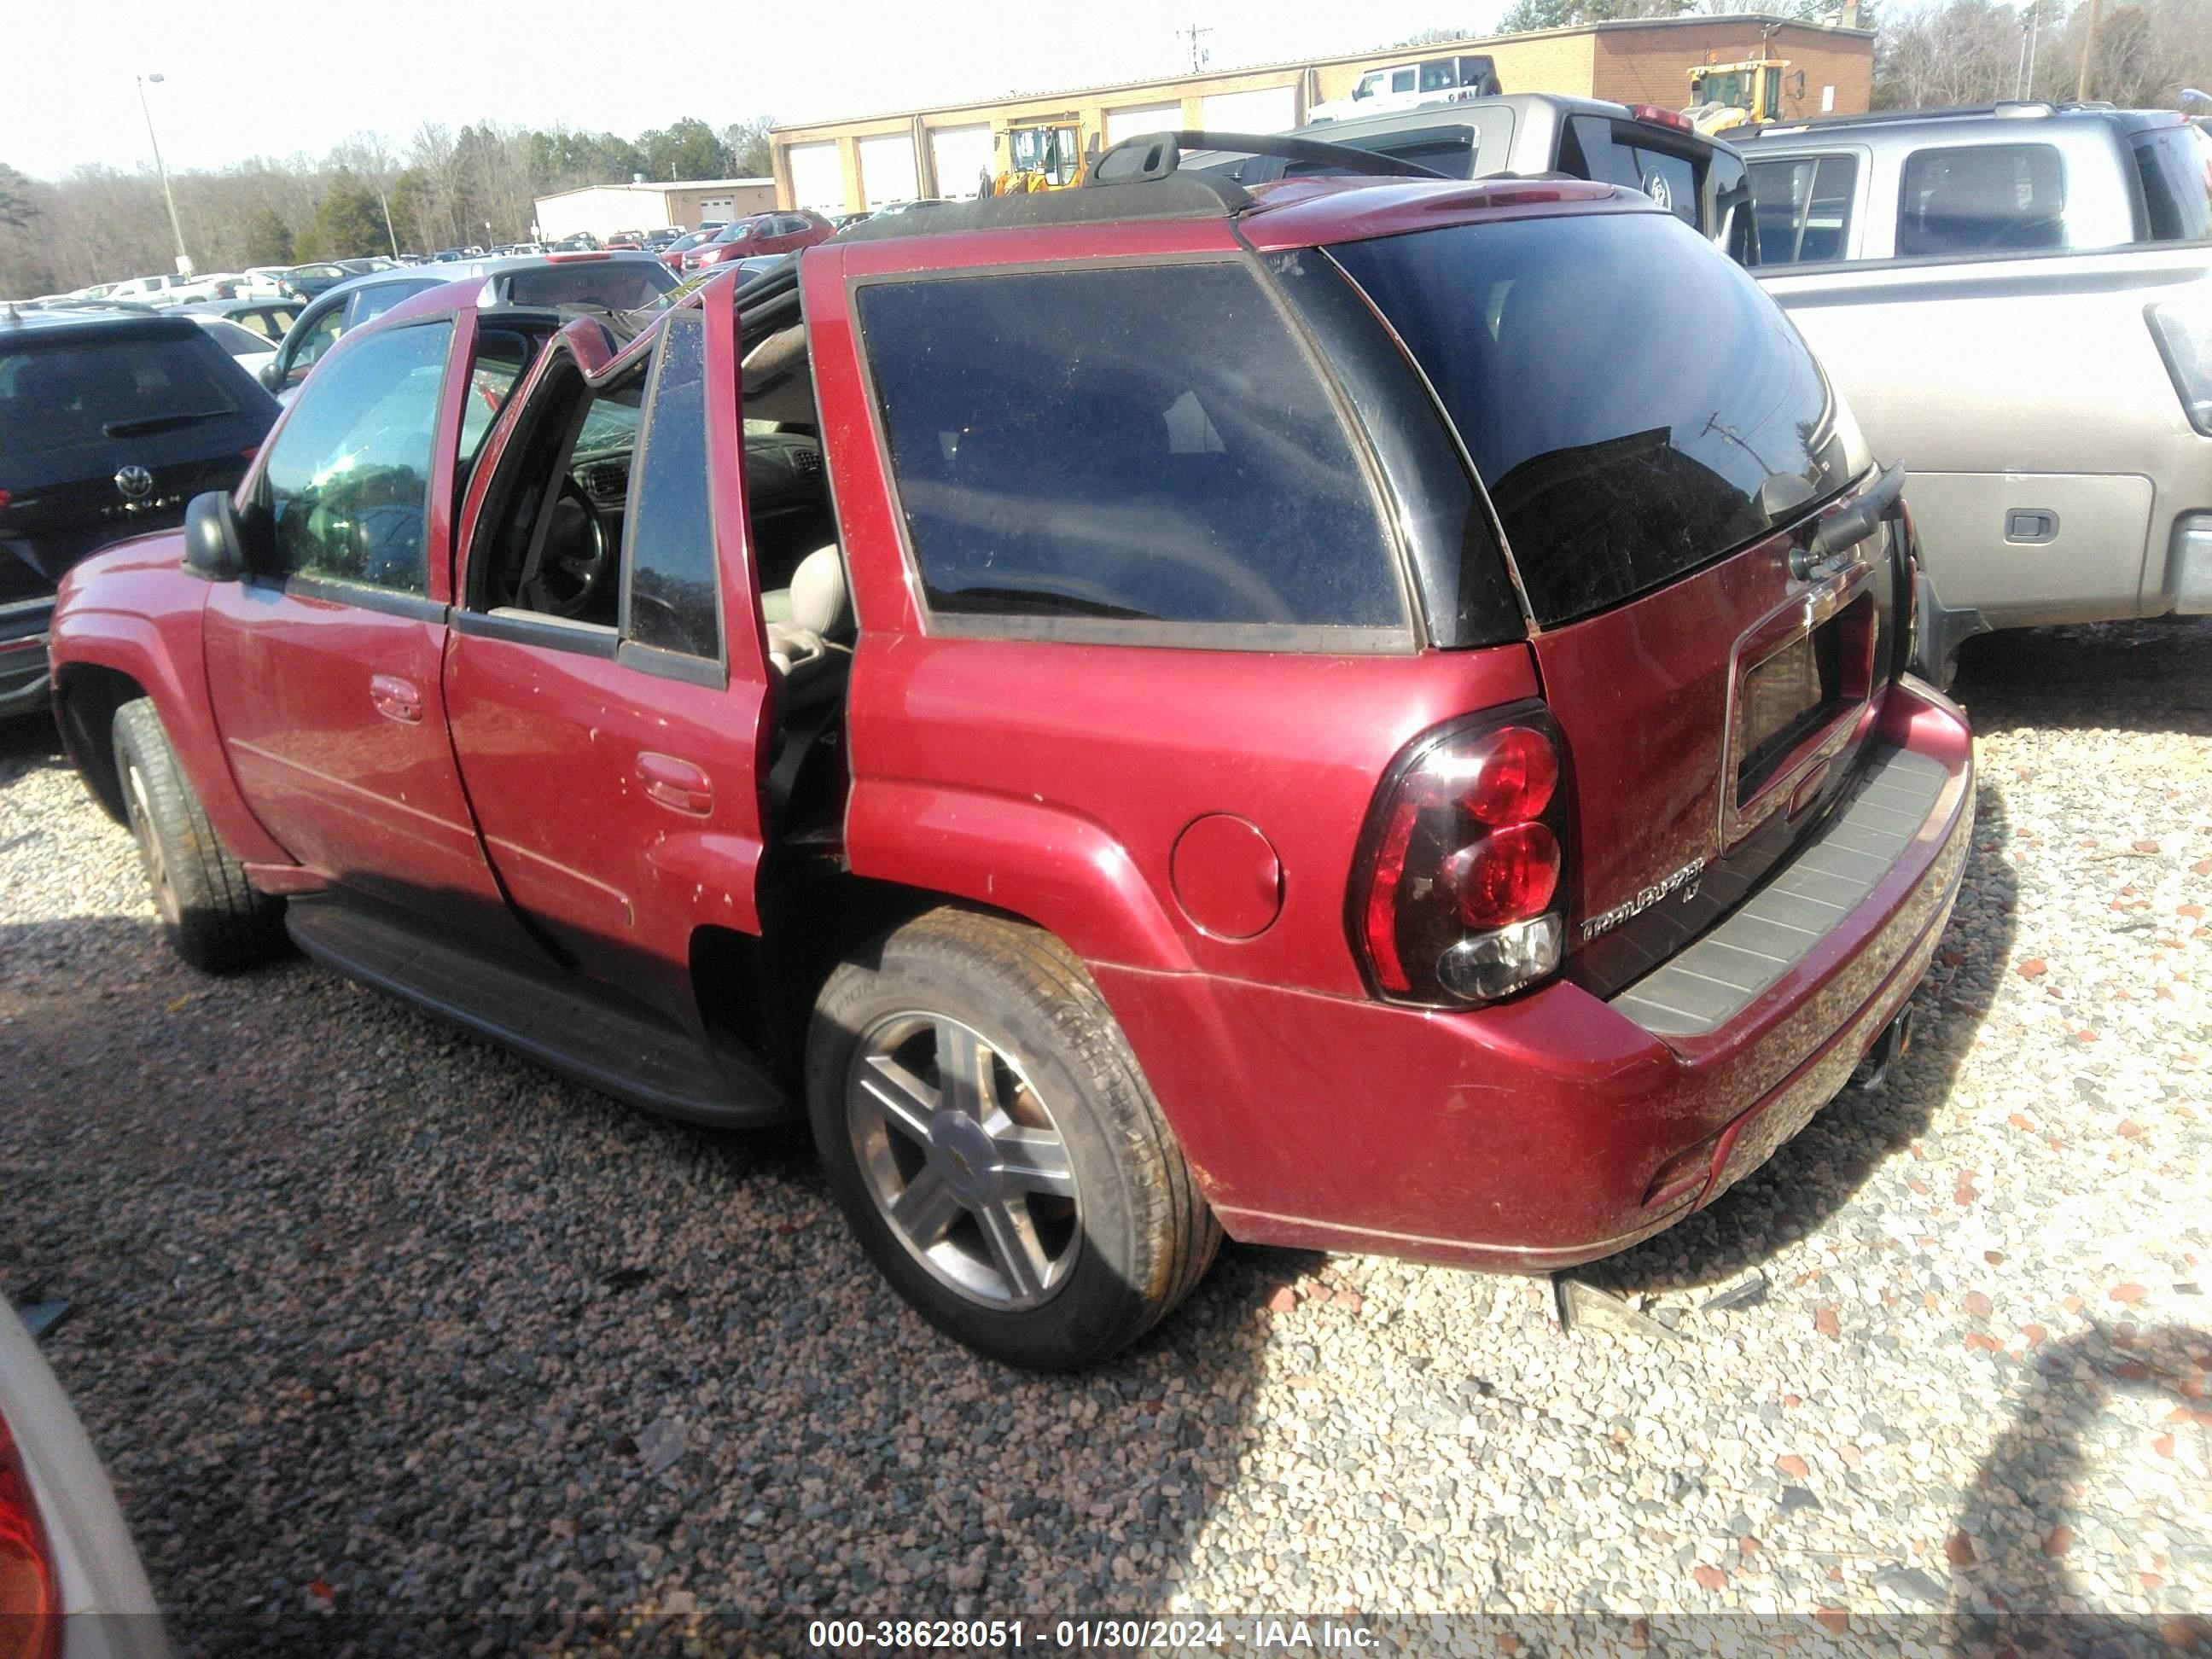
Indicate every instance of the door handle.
{"type": "Point", "coordinates": [675, 784]}
{"type": "Point", "coordinates": [396, 699]}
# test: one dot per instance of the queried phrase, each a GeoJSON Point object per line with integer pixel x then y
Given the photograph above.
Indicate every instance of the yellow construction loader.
{"type": "Point", "coordinates": [1724, 96]}
{"type": "Point", "coordinates": [1044, 152]}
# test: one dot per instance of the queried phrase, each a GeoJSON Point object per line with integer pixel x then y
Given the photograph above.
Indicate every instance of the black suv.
{"type": "Point", "coordinates": [110, 421]}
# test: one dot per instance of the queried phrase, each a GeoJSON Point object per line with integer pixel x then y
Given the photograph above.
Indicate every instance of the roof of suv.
{"type": "Point", "coordinates": [93, 320]}
{"type": "Point", "coordinates": [1331, 207]}
{"type": "Point", "coordinates": [1909, 124]}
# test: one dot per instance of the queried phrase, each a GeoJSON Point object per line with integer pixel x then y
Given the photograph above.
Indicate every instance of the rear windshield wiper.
{"type": "Point", "coordinates": [146, 423]}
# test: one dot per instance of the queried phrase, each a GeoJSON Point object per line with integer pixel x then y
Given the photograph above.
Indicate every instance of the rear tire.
{"type": "Point", "coordinates": [210, 914]}
{"type": "Point", "coordinates": [994, 1146]}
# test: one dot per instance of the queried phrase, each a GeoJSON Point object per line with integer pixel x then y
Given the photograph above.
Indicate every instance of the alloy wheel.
{"type": "Point", "coordinates": [141, 813]}
{"type": "Point", "coordinates": [964, 1161]}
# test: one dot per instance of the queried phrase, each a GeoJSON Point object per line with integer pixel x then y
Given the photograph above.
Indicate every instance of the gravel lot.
{"type": "Point", "coordinates": [379, 1328]}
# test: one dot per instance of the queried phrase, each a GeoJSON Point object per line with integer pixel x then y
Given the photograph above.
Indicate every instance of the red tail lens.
{"type": "Point", "coordinates": [30, 1599]}
{"type": "Point", "coordinates": [1461, 884]}
{"type": "Point", "coordinates": [1509, 876]}
{"type": "Point", "coordinates": [1665, 117]}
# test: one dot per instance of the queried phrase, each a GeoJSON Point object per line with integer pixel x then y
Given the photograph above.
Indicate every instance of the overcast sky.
{"type": "Point", "coordinates": [274, 81]}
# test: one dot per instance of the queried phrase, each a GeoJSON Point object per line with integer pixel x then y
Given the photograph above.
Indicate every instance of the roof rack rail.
{"type": "Point", "coordinates": [1155, 156]}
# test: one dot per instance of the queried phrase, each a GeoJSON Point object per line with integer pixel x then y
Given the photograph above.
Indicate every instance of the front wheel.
{"type": "Point", "coordinates": [988, 1133]}
{"type": "Point", "coordinates": [211, 914]}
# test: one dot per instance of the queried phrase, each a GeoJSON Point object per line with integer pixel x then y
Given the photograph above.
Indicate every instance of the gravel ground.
{"type": "Point", "coordinates": [377, 1327]}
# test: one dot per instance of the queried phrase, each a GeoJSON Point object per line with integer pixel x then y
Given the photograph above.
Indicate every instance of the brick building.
{"type": "Point", "coordinates": [864, 161]}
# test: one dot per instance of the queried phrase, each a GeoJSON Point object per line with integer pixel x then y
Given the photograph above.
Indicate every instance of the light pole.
{"type": "Point", "coordinates": [184, 259]}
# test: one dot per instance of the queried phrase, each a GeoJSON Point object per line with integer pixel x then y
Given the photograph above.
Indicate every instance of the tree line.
{"type": "Point", "coordinates": [447, 189]}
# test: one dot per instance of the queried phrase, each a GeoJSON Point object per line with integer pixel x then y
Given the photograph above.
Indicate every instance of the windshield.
{"type": "Point", "coordinates": [1635, 404]}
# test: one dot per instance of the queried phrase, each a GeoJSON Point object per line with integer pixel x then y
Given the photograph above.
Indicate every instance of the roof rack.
{"type": "Point", "coordinates": [1153, 161]}
{"type": "Point", "coordinates": [2003, 109]}
{"type": "Point", "coordinates": [1156, 155]}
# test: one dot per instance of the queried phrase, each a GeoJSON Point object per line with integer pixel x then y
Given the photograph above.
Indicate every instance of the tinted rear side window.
{"type": "Point", "coordinates": [74, 392]}
{"type": "Point", "coordinates": [1981, 198]}
{"type": "Point", "coordinates": [1133, 445]}
{"type": "Point", "coordinates": [2175, 165]}
{"type": "Point", "coordinates": [1804, 208]}
{"type": "Point", "coordinates": [1635, 404]}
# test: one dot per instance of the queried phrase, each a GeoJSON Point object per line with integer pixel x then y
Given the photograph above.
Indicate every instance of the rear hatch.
{"type": "Point", "coordinates": [1659, 445]}
{"type": "Point", "coordinates": [107, 431]}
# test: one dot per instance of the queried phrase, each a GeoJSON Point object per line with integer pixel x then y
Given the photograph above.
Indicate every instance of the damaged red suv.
{"type": "Point", "coordinates": [1369, 713]}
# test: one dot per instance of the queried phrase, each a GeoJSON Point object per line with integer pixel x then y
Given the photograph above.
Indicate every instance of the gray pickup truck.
{"type": "Point", "coordinates": [2017, 301]}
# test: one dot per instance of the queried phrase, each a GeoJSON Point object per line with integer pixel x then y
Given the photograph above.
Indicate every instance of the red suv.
{"type": "Point", "coordinates": [1368, 713]}
{"type": "Point", "coordinates": [762, 234]}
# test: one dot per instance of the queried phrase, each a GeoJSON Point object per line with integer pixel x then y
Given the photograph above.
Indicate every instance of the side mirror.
{"type": "Point", "coordinates": [213, 551]}
{"type": "Point", "coordinates": [267, 373]}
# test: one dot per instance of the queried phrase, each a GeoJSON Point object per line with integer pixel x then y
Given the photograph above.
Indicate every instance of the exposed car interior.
{"type": "Point", "coordinates": [552, 535]}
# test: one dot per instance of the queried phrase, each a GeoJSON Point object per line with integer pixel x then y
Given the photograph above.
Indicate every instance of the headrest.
{"type": "Point", "coordinates": [819, 602]}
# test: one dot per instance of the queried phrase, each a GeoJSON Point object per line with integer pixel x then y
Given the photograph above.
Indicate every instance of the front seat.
{"type": "Point", "coordinates": [809, 644]}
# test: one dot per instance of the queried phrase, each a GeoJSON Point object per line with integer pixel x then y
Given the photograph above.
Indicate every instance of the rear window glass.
{"type": "Point", "coordinates": [616, 285]}
{"type": "Point", "coordinates": [1981, 198]}
{"type": "Point", "coordinates": [1124, 445]}
{"type": "Point", "coordinates": [1622, 153]}
{"type": "Point", "coordinates": [1621, 448]}
{"type": "Point", "coordinates": [82, 391]}
{"type": "Point", "coordinates": [2175, 165]}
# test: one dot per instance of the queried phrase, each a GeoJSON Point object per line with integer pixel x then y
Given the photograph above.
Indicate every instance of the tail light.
{"type": "Point", "coordinates": [1459, 889]}
{"type": "Point", "coordinates": [30, 1599]}
{"type": "Point", "coordinates": [1665, 117]}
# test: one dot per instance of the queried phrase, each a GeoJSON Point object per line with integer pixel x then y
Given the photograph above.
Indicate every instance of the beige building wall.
{"type": "Point", "coordinates": [1629, 63]}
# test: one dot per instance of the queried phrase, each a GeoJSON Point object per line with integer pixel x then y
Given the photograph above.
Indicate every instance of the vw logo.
{"type": "Point", "coordinates": [134, 482]}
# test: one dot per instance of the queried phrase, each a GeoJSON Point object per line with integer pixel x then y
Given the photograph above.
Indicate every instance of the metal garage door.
{"type": "Point", "coordinates": [1270, 109]}
{"type": "Point", "coordinates": [887, 169]}
{"type": "Point", "coordinates": [817, 181]}
{"type": "Point", "coordinates": [961, 156]}
{"type": "Point", "coordinates": [1152, 117]}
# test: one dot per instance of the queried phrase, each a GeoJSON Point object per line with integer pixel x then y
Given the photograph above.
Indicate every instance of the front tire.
{"type": "Point", "coordinates": [211, 915]}
{"type": "Point", "coordinates": [995, 1148]}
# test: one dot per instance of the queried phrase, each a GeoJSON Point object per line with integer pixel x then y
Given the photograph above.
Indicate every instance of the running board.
{"type": "Point", "coordinates": [566, 1024]}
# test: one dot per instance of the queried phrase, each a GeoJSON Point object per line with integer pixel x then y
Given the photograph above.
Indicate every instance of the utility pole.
{"type": "Point", "coordinates": [384, 202]}
{"type": "Point", "coordinates": [2088, 47]}
{"type": "Point", "coordinates": [2035, 35]}
{"type": "Point", "coordinates": [184, 259]}
{"type": "Point", "coordinates": [1198, 58]}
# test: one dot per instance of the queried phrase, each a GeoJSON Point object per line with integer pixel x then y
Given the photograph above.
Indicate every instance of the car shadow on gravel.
{"type": "Point", "coordinates": [381, 1328]}
{"type": "Point", "coordinates": [2093, 1399]}
{"type": "Point", "coordinates": [2149, 676]}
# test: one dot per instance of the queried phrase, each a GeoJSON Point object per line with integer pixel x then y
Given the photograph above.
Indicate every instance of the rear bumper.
{"type": "Point", "coordinates": [1556, 1128]}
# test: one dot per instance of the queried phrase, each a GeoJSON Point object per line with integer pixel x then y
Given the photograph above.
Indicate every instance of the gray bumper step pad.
{"type": "Point", "coordinates": [1708, 984]}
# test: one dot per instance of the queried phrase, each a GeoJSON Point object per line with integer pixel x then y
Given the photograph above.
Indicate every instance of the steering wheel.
{"type": "Point", "coordinates": [572, 562]}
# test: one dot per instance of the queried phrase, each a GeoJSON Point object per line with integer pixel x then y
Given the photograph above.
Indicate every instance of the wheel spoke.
{"type": "Point", "coordinates": [903, 1099]}
{"type": "Point", "coordinates": [1035, 1160]}
{"type": "Point", "coordinates": [925, 1208]}
{"type": "Point", "coordinates": [1015, 1246]}
{"type": "Point", "coordinates": [965, 1068]}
